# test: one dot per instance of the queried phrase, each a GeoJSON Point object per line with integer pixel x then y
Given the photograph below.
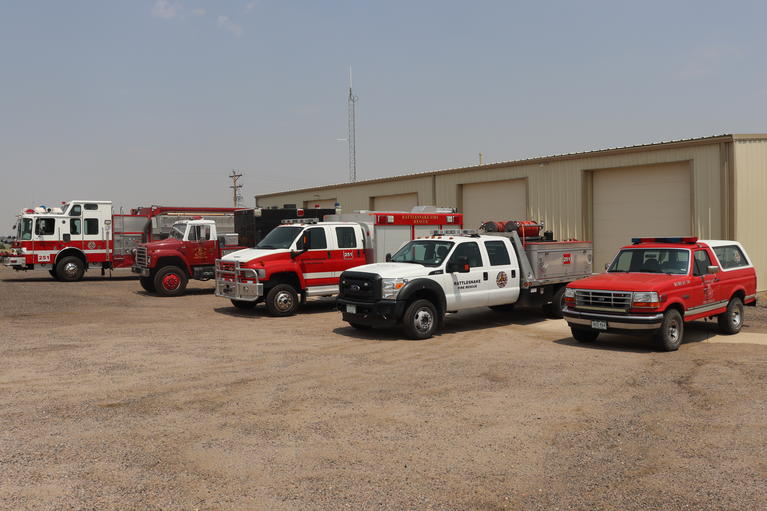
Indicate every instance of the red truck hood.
{"type": "Point", "coordinates": [168, 243]}
{"type": "Point", "coordinates": [630, 281]}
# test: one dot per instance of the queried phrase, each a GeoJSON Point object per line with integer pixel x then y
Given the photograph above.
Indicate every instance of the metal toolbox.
{"type": "Point", "coordinates": [560, 259]}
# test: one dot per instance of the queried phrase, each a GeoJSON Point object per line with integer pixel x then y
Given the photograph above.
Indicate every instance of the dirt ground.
{"type": "Point", "coordinates": [114, 399]}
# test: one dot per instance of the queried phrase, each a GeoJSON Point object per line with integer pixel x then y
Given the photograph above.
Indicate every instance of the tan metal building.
{"type": "Point", "coordinates": [713, 188]}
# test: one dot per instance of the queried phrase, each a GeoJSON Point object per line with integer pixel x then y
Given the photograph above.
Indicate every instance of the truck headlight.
{"type": "Point", "coordinates": [648, 299]}
{"type": "Point", "coordinates": [261, 272]}
{"type": "Point", "coordinates": [569, 292]}
{"type": "Point", "coordinates": [390, 288]}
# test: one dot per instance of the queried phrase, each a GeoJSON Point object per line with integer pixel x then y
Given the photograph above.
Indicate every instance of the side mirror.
{"type": "Point", "coordinates": [388, 257]}
{"type": "Point", "coordinates": [306, 242]}
{"type": "Point", "coordinates": [607, 265]}
{"type": "Point", "coordinates": [712, 269]}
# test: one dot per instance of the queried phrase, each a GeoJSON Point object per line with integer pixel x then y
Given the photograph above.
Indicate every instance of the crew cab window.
{"type": "Point", "coordinates": [25, 229]}
{"type": "Point", "coordinates": [651, 260]}
{"type": "Point", "coordinates": [469, 250]}
{"type": "Point", "coordinates": [702, 262]}
{"type": "Point", "coordinates": [346, 237]}
{"type": "Point", "coordinates": [499, 255]}
{"type": "Point", "coordinates": [91, 226]}
{"type": "Point", "coordinates": [77, 210]}
{"type": "Point", "coordinates": [75, 226]}
{"type": "Point", "coordinates": [425, 252]}
{"type": "Point", "coordinates": [91, 207]}
{"type": "Point", "coordinates": [317, 240]}
{"type": "Point", "coordinates": [45, 226]}
{"type": "Point", "coordinates": [730, 256]}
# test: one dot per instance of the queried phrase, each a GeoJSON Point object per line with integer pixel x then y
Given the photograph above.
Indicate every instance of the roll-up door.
{"type": "Point", "coordinates": [494, 201]}
{"type": "Point", "coordinates": [639, 201]}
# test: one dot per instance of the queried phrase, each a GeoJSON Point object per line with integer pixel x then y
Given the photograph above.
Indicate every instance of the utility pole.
{"type": "Point", "coordinates": [236, 197]}
{"type": "Point", "coordinates": [352, 132]}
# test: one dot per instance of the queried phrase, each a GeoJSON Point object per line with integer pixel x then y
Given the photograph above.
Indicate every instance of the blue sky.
{"type": "Point", "coordinates": [147, 102]}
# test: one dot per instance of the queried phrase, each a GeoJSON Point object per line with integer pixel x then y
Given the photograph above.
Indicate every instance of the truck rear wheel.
{"type": "Point", "coordinates": [584, 334]}
{"type": "Point", "coordinates": [243, 305]}
{"type": "Point", "coordinates": [671, 331]}
{"type": "Point", "coordinates": [70, 269]}
{"type": "Point", "coordinates": [731, 321]}
{"type": "Point", "coordinates": [170, 281]}
{"type": "Point", "coordinates": [420, 319]}
{"type": "Point", "coordinates": [554, 309]}
{"type": "Point", "coordinates": [282, 300]}
{"type": "Point", "coordinates": [147, 283]}
{"type": "Point", "coordinates": [53, 274]}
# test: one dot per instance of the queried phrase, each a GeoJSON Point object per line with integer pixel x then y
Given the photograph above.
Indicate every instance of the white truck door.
{"type": "Point", "coordinates": [502, 284]}
{"type": "Point", "coordinates": [468, 289]}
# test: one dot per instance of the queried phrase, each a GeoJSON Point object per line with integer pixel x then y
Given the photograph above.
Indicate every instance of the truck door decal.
{"type": "Point", "coordinates": [502, 279]}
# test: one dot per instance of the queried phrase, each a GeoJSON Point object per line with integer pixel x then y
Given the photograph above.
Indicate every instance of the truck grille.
{"type": "Point", "coordinates": [359, 286]}
{"type": "Point", "coordinates": [141, 259]}
{"type": "Point", "coordinates": [603, 300]}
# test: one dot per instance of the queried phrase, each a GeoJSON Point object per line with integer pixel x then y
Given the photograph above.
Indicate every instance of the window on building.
{"type": "Point", "coordinates": [497, 252]}
{"type": "Point", "coordinates": [346, 237]}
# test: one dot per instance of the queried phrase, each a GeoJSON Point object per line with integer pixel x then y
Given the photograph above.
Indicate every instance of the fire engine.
{"type": "Point", "coordinates": [656, 285]}
{"type": "Point", "coordinates": [85, 234]}
{"type": "Point", "coordinates": [304, 257]}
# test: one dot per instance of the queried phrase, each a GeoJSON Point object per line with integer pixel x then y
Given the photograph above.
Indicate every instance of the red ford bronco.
{"type": "Point", "coordinates": [656, 285]}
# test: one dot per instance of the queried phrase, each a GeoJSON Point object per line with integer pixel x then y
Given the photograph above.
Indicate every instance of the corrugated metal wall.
{"type": "Point", "coordinates": [750, 204]}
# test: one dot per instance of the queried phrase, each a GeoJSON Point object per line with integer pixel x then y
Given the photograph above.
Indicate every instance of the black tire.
{"type": "Point", "coordinates": [53, 274]}
{"type": "Point", "coordinates": [360, 326]}
{"type": "Point", "coordinates": [420, 319]}
{"type": "Point", "coordinates": [170, 281]}
{"type": "Point", "coordinates": [584, 334]}
{"type": "Point", "coordinates": [147, 283]}
{"type": "Point", "coordinates": [70, 269]}
{"type": "Point", "coordinates": [282, 300]}
{"type": "Point", "coordinates": [731, 321]}
{"type": "Point", "coordinates": [243, 305]}
{"type": "Point", "coordinates": [554, 309]}
{"type": "Point", "coordinates": [506, 307]}
{"type": "Point", "coordinates": [669, 337]}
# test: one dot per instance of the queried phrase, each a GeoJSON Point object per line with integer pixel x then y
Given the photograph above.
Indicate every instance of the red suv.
{"type": "Point", "coordinates": [656, 285]}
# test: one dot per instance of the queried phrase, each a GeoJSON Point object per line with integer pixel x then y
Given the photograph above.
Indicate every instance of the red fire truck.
{"type": "Point", "coordinates": [85, 234]}
{"type": "Point", "coordinates": [304, 258]}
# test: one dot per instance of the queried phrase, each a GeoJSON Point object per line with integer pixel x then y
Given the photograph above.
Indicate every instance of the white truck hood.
{"type": "Point", "coordinates": [248, 254]}
{"type": "Point", "coordinates": [395, 270]}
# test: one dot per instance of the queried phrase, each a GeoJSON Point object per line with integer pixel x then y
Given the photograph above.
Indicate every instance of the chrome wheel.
{"type": "Point", "coordinates": [70, 270]}
{"type": "Point", "coordinates": [283, 301]}
{"type": "Point", "coordinates": [423, 319]}
{"type": "Point", "coordinates": [736, 318]}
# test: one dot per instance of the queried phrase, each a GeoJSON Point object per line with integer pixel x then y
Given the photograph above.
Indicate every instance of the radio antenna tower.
{"type": "Point", "coordinates": [236, 197]}
{"type": "Point", "coordinates": [352, 132]}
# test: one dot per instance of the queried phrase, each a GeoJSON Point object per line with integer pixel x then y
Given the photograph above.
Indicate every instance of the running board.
{"type": "Point", "coordinates": [322, 291]}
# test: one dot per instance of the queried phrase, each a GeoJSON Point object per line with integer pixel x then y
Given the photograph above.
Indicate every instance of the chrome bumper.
{"type": "Point", "coordinates": [14, 261]}
{"type": "Point", "coordinates": [614, 321]}
{"type": "Point", "coordinates": [229, 284]}
{"type": "Point", "coordinates": [144, 272]}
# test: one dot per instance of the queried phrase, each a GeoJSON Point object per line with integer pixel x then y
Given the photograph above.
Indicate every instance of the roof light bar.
{"type": "Point", "coordinates": [679, 239]}
{"type": "Point", "coordinates": [300, 221]}
{"type": "Point", "coordinates": [455, 232]}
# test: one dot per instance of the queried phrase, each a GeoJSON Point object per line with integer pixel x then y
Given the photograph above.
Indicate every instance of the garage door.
{"type": "Point", "coordinates": [324, 203]}
{"type": "Point", "coordinates": [496, 200]}
{"type": "Point", "coordinates": [640, 201]}
{"type": "Point", "coordinates": [400, 202]}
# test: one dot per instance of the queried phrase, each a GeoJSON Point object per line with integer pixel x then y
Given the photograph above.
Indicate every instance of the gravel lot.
{"type": "Point", "coordinates": [113, 399]}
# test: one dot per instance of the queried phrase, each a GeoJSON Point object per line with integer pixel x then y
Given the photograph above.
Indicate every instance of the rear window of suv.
{"type": "Point", "coordinates": [730, 256]}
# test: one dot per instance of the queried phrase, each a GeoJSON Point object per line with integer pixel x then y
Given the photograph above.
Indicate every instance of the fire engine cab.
{"type": "Point", "coordinates": [655, 285]}
{"type": "Point", "coordinates": [303, 258]}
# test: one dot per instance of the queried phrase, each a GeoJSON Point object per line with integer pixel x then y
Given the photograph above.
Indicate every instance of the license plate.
{"type": "Point", "coordinates": [599, 325]}
{"type": "Point", "coordinates": [351, 309]}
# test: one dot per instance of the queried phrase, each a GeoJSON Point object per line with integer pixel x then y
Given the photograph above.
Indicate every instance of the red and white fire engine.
{"type": "Point", "coordinates": [304, 258]}
{"type": "Point", "coordinates": [86, 234]}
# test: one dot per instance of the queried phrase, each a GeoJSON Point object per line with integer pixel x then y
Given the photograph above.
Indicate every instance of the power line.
{"type": "Point", "coordinates": [352, 132]}
{"type": "Point", "coordinates": [236, 196]}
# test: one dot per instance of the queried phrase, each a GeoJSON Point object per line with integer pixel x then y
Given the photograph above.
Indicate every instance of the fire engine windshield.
{"type": "Point", "coordinates": [24, 229]}
{"type": "Point", "coordinates": [177, 231]}
{"type": "Point", "coordinates": [425, 252]}
{"type": "Point", "coordinates": [651, 260]}
{"type": "Point", "coordinates": [281, 237]}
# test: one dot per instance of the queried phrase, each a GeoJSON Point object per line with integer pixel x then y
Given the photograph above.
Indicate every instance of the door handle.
{"type": "Point", "coordinates": [484, 275]}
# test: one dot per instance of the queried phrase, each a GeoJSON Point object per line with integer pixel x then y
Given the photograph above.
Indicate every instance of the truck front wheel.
{"type": "Point", "coordinates": [53, 274]}
{"type": "Point", "coordinates": [70, 269]}
{"type": "Point", "coordinates": [170, 281]}
{"type": "Point", "coordinates": [420, 319]}
{"type": "Point", "coordinates": [554, 309]}
{"type": "Point", "coordinates": [584, 334]}
{"type": "Point", "coordinates": [147, 283]}
{"type": "Point", "coordinates": [282, 300]}
{"type": "Point", "coordinates": [731, 321]}
{"type": "Point", "coordinates": [671, 331]}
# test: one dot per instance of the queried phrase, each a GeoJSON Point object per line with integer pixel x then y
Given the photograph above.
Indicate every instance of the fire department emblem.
{"type": "Point", "coordinates": [200, 253]}
{"type": "Point", "coordinates": [502, 279]}
{"type": "Point", "coordinates": [91, 245]}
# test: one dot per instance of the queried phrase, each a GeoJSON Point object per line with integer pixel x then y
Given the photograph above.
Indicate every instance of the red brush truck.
{"type": "Point", "coordinates": [656, 285]}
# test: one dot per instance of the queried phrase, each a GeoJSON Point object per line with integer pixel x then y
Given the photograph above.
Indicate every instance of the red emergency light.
{"type": "Point", "coordinates": [684, 239]}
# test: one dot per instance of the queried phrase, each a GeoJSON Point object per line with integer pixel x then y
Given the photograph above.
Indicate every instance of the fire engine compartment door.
{"type": "Point", "coordinates": [389, 238]}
